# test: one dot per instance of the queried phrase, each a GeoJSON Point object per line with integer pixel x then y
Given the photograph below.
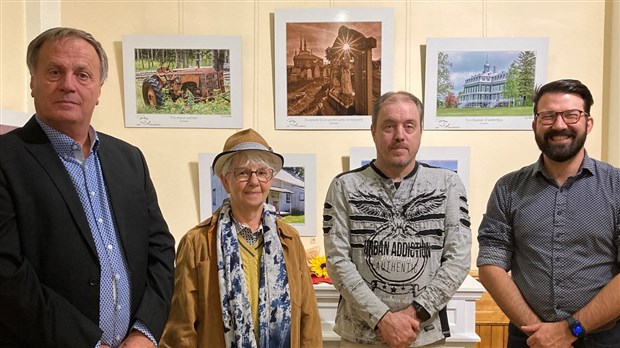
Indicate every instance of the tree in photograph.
{"type": "Point", "coordinates": [526, 64]}
{"type": "Point", "coordinates": [298, 172]}
{"type": "Point", "coordinates": [444, 84]}
{"type": "Point", "coordinates": [511, 90]}
{"type": "Point", "coordinates": [450, 100]}
{"type": "Point", "coordinates": [520, 81]}
{"type": "Point", "coordinates": [219, 58]}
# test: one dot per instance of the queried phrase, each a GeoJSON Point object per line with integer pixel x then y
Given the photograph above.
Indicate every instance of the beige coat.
{"type": "Point", "coordinates": [196, 315]}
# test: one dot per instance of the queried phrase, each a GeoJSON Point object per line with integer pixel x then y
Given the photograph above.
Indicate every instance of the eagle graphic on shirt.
{"type": "Point", "coordinates": [399, 237]}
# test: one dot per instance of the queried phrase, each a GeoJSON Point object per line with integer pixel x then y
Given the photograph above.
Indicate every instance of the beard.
{"type": "Point", "coordinates": [401, 163]}
{"type": "Point", "coordinates": [560, 152]}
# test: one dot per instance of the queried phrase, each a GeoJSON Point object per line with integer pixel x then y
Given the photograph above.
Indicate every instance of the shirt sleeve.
{"type": "Point", "coordinates": [495, 232]}
{"type": "Point", "coordinates": [140, 326]}
{"type": "Point", "coordinates": [456, 256]}
{"type": "Point", "coordinates": [341, 268]}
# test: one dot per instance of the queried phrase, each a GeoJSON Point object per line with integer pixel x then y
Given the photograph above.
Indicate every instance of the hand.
{"type": "Point", "coordinates": [549, 335]}
{"type": "Point", "coordinates": [398, 329]}
{"type": "Point", "coordinates": [137, 339]}
{"type": "Point", "coordinates": [410, 312]}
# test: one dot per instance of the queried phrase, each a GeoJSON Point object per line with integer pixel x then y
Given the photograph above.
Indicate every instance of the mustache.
{"type": "Point", "coordinates": [398, 145]}
{"type": "Point", "coordinates": [564, 132]}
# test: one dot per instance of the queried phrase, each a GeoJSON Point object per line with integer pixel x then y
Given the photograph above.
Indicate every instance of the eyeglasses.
{"type": "Point", "coordinates": [244, 174]}
{"type": "Point", "coordinates": [547, 118]}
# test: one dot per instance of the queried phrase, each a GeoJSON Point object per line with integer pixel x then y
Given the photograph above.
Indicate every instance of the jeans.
{"type": "Point", "coordinates": [602, 339]}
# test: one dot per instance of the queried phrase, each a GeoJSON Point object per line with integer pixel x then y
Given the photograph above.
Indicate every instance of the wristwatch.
{"type": "Point", "coordinates": [421, 312]}
{"type": "Point", "coordinates": [575, 327]}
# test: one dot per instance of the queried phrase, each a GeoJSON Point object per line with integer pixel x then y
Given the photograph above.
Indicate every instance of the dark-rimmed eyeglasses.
{"type": "Point", "coordinates": [547, 118]}
{"type": "Point", "coordinates": [244, 174]}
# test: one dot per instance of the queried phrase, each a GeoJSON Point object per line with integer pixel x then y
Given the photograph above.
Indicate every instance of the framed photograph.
{"type": "Point", "coordinates": [455, 158]}
{"type": "Point", "coordinates": [10, 120]}
{"type": "Point", "coordinates": [484, 83]}
{"type": "Point", "coordinates": [292, 191]}
{"type": "Point", "coordinates": [331, 65]}
{"type": "Point", "coordinates": [182, 81]}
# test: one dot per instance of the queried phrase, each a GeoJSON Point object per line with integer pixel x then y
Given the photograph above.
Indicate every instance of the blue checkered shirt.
{"type": "Point", "coordinates": [562, 244]}
{"type": "Point", "coordinates": [114, 284]}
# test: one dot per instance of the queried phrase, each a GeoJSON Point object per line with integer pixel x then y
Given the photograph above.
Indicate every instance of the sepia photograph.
{"type": "Point", "coordinates": [184, 81]}
{"type": "Point", "coordinates": [331, 65]}
{"type": "Point", "coordinates": [483, 83]}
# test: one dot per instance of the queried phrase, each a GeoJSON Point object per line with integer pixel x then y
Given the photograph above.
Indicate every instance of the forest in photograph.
{"type": "Point", "coordinates": [182, 81]}
{"type": "Point", "coordinates": [485, 83]}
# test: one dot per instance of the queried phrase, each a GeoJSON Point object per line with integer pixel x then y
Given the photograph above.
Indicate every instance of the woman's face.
{"type": "Point", "coordinates": [247, 182]}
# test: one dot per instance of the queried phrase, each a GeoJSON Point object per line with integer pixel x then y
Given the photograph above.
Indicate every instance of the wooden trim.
{"type": "Point", "coordinates": [492, 336]}
{"type": "Point", "coordinates": [491, 322]}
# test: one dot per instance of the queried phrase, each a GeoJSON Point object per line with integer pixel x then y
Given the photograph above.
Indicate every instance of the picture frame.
{"type": "Point", "coordinates": [293, 191]}
{"type": "Point", "coordinates": [182, 81]}
{"type": "Point", "coordinates": [455, 158]}
{"type": "Point", "coordinates": [482, 83]}
{"type": "Point", "coordinates": [314, 89]}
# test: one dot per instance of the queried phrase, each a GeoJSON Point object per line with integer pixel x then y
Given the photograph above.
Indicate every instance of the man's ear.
{"type": "Point", "coordinates": [589, 124]}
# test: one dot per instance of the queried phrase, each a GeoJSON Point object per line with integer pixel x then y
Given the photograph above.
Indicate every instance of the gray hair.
{"type": "Point", "coordinates": [247, 157]}
{"type": "Point", "coordinates": [58, 34]}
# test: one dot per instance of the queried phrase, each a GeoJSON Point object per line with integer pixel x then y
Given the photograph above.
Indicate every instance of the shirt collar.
{"type": "Point", "coordinates": [65, 145]}
{"type": "Point", "coordinates": [411, 174]}
{"type": "Point", "coordinates": [587, 165]}
{"type": "Point", "coordinates": [239, 226]}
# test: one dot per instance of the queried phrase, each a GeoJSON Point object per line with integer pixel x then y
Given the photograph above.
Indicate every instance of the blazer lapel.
{"type": "Point", "coordinates": [37, 143]}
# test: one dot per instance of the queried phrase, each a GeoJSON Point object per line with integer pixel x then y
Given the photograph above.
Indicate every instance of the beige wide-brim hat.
{"type": "Point", "coordinates": [246, 140]}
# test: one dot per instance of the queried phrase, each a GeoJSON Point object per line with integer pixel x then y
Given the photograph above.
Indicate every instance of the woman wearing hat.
{"type": "Point", "coordinates": [241, 276]}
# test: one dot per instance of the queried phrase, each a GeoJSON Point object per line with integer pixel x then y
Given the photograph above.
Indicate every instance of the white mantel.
{"type": "Point", "coordinates": [461, 313]}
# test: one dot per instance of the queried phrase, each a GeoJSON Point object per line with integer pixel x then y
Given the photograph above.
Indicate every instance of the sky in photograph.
{"type": "Point", "coordinates": [468, 63]}
{"type": "Point", "coordinates": [319, 36]}
{"type": "Point", "coordinates": [452, 165]}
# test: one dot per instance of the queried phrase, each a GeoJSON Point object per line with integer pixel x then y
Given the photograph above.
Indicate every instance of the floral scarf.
{"type": "Point", "coordinates": [274, 297]}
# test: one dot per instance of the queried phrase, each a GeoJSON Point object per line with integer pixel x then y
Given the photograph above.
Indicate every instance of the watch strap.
{"type": "Point", "coordinates": [420, 312]}
{"type": "Point", "coordinates": [575, 327]}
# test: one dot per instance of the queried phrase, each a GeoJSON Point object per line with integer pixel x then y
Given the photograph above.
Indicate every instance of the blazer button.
{"type": "Point", "coordinates": [92, 282]}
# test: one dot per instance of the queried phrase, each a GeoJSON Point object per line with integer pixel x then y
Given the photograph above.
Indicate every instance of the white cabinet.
{"type": "Point", "coordinates": [461, 313]}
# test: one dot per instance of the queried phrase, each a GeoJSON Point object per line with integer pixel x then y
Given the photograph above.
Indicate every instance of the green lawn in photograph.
{"type": "Point", "coordinates": [219, 106]}
{"type": "Point", "coordinates": [294, 219]}
{"type": "Point", "coordinates": [501, 111]}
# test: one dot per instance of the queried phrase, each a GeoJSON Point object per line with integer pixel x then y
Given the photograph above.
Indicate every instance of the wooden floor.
{"type": "Point", "coordinates": [491, 323]}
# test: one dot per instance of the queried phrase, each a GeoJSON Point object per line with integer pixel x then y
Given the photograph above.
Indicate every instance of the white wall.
{"type": "Point", "coordinates": [576, 32]}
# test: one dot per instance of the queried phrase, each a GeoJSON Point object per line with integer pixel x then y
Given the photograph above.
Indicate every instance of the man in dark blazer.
{"type": "Point", "coordinates": [86, 258]}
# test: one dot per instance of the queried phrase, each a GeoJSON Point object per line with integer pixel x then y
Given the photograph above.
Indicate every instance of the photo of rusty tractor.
{"type": "Point", "coordinates": [201, 83]}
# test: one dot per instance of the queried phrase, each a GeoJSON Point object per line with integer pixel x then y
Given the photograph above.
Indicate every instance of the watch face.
{"type": "Point", "coordinates": [577, 329]}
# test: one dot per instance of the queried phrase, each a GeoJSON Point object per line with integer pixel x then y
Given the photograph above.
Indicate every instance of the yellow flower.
{"type": "Point", "coordinates": [318, 266]}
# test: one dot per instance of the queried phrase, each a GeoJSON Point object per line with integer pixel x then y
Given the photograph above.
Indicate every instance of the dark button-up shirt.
{"type": "Point", "coordinates": [560, 242]}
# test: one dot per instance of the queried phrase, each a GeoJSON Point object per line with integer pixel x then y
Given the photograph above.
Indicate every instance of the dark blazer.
{"type": "Point", "coordinates": [49, 270]}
